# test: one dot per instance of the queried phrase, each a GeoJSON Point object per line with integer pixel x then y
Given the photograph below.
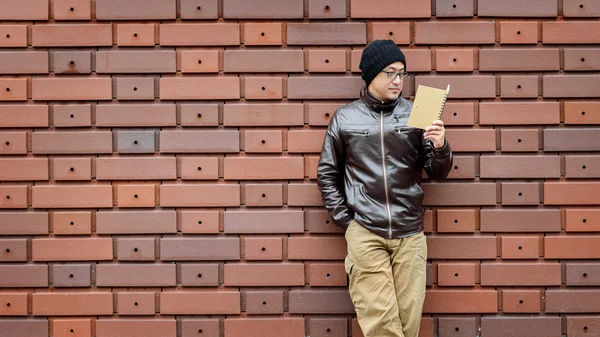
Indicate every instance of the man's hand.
{"type": "Point", "coordinates": [436, 133]}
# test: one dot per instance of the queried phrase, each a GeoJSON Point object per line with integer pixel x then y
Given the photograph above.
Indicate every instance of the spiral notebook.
{"type": "Point", "coordinates": [428, 106]}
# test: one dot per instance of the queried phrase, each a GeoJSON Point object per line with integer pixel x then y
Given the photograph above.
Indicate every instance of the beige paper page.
{"type": "Point", "coordinates": [427, 107]}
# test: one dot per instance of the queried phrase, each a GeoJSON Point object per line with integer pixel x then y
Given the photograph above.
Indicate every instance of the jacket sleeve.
{"type": "Point", "coordinates": [437, 163]}
{"type": "Point", "coordinates": [330, 176]}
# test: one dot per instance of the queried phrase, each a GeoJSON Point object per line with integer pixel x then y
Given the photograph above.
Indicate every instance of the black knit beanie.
{"type": "Point", "coordinates": [376, 56]}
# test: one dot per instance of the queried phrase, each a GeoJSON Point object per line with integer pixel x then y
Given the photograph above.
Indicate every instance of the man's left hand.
{"type": "Point", "coordinates": [436, 133]}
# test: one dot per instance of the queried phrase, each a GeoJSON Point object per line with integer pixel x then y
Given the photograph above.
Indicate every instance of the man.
{"type": "Point", "coordinates": [369, 175]}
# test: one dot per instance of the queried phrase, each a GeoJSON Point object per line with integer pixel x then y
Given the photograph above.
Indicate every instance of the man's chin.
{"type": "Point", "coordinates": [392, 96]}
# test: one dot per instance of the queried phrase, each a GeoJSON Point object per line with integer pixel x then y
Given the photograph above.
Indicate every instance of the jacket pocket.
{"type": "Point", "coordinates": [356, 132]}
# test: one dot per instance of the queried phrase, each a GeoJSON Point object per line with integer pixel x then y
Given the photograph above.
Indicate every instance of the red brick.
{"type": "Point", "coordinates": [204, 248]}
{"type": "Point", "coordinates": [218, 141]}
{"type": "Point", "coordinates": [464, 168]}
{"type": "Point", "coordinates": [582, 166]}
{"type": "Point", "coordinates": [581, 59]}
{"type": "Point", "coordinates": [263, 248]}
{"type": "Point", "coordinates": [568, 300]}
{"type": "Point", "coordinates": [571, 86]}
{"type": "Point", "coordinates": [320, 302]}
{"type": "Point", "coordinates": [520, 247]}
{"type": "Point", "coordinates": [318, 221]}
{"type": "Point", "coordinates": [418, 60]}
{"type": "Point", "coordinates": [258, 61]}
{"type": "Point", "coordinates": [303, 141]}
{"type": "Point", "coordinates": [506, 167]}
{"type": "Point", "coordinates": [154, 168]}
{"type": "Point", "coordinates": [200, 34]}
{"type": "Point", "coordinates": [14, 169]}
{"type": "Point", "coordinates": [457, 220]}
{"type": "Point", "coordinates": [209, 326]}
{"type": "Point", "coordinates": [200, 303]}
{"type": "Point", "coordinates": [206, 222]}
{"type": "Point", "coordinates": [389, 9]}
{"type": "Point", "coordinates": [346, 33]}
{"type": "Point", "coordinates": [399, 32]}
{"type": "Point", "coordinates": [521, 301]}
{"type": "Point", "coordinates": [72, 196]}
{"type": "Point", "coordinates": [15, 10]}
{"type": "Point", "coordinates": [264, 274]}
{"type": "Point", "coordinates": [13, 196]}
{"type": "Point", "coordinates": [460, 8]}
{"type": "Point", "coordinates": [570, 32]}
{"type": "Point", "coordinates": [13, 142]}
{"type": "Point", "coordinates": [460, 194]}
{"type": "Point", "coordinates": [520, 193]}
{"type": "Point", "coordinates": [13, 89]}
{"type": "Point", "coordinates": [259, 168]}
{"type": "Point", "coordinates": [13, 250]}
{"type": "Point", "coordinates": [134, 88]}
{"type": "Point", "coordinates": [319, 114]}
{"type": "Point", "coordinates": [571, 139]}
{"type": "Point", "coordinates": [263, 88]}
{"type": "Point", "coordinates": [454, 32]}
{"type": "Point", "coordinates": [519, 32]}
{"type": "Point", "coordinates": [325, 327]}
{"type": "Point", "coordinates": [23, 275]}
{"type": "Point", "coordinates": [582, 219]}
{"type": "Point", "coordinates": [262, 34]}
{"type": "Point", "coordinates": [304, 195]}
{"type": "Point", "coordinates": [266, 327]}
{"type": "Point", "coordinates": [199, 274]}
{"type": "Point", "coordinates": [582, 274]}
{"type": "Point", "coordinates": [71, 35]}
{"type": "Point", "coordinates": [537, 326]}
{"type": "Point", "coordinates": [582, 326]}
{"type": "Point", "coordinates": [457, 326]}
{"type": "Point", "coordinates": [263, 195]}
{"type": "Point", "coordinates": [199, 88]}
{"type": "Point", "coordinates": [135, 275]}
{"type": "Point", "coordinates": [204, 9]}
{"type": "Point", "coordinates": [198, 61]}
{"type": "Point", "coordinates": [480, 86]}
{"type": "Point", "coordinates": [455, 59]}
{"type": "Point", "coordinates": [202, 168]}
{"type": "Point", "coordinates": [459, 113]}
{"type": "Point", "coordinates": [571, 193]}
{"type": "Point", "coordinates": [72, 304]}
{"type": "Point", "coordinates": [72, 142]}
{"type": "Point", "coordinates": [199, 114]}
{"type": "Point", "coordinates": [324, 87]}
{"type": "Point", "coordinates": [13, 36]}
{"type": "Point", "coordinates": [537, 8]}
{"type": "Point", "coordinates": [23, 223]}
{"type": "Point", "coordinates": [24, 62]}
{"type": "Point", "coordinates": [263, 141]}
{"type": "Point", "coordinates": [571, 247]}
{"type": "Point", "coordinates": [281, 114]}
{"type": "Point", "coordinates": [136, 328]}
{"type": "Point", "coordinates": [71, 223]}
{"type": "Point", "coordinates": [580, 8]}
{"type": "Point", "coordinates": [530, 59]}
{"type": "Point", "coordinates": [519, 140]}
{"type": "Point", "coordinates": [156, 61]}
{"type": "Point", "coordinates": [263, 302]}
{"type": "Point", "coordinates": [137, 303]}
{"type": "Point", "coordinates": [520, 220]}
{"type": "Point", "coordinates": [135, 10]}
{"type": "Point", "coordinates": [72, 89]}
{"type": "Point", "coordinates": [457, 274]}
{"type": "Point", "coordinates": [136, 195]}
{"type": "Point", "coordinates": [72, 327]}
{"type": "Point", "coordinates": [316, 248]}
{"type": "Point", "coordinates": [79, 249]}
{"type": "Point", "coordinates": [461, 301]}
{"type": "Point", "coordinates": [461, 247]}
{"type": "Point", "coordinates": [23, 116]}
{"type": "Point", "coordinates": [326, 60]}
{"type": "Point", "coordinates": [71, 168]}
{"type": "Point", "coordinates": [327, 9]}
{"type": "Point", "coordinates": [526, 113]}
{"type": "Point", "coordinates": [72, 10]}
{"type": "Point", "coordinates": [263, 9]}
{"type": "Point", "coordinates": [199, 195]}
{"type": "Point", "coordinates": [71, 275]}
{"type": "Point", "coordinates": [326, 275]}
{"type": "Point", "coordinates": [519, 86]}
{"type": "Point", "coordinates": [72, 115]}
{"type": "Point", "coordinates": [135, 34]}
{"type": "Point", "coordinates": [263, 221]}
{"type": "Point", "coordinates": [522, 274]}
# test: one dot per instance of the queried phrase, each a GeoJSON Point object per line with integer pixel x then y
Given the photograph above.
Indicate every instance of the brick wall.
{"type": "Point", "coordinates": [158, 164]}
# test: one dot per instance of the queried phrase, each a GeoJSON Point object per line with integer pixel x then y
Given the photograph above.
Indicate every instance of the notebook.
{"type": "Point", "coordinates": [428, 106]}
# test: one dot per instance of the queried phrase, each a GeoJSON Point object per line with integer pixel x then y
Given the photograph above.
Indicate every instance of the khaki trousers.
{"type": "Point", "coordinates": [387, 281]}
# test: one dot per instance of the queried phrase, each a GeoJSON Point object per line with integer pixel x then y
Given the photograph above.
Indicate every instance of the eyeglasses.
{"type": "Point", "coordinates": [391, 75]}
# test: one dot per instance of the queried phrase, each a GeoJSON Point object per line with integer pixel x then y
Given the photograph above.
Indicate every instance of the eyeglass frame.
{"type": "Point", "coordinates": [401, 75]}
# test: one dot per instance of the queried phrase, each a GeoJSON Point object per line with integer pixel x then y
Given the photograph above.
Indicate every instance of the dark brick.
{"type": "Point", "coordinates": [178, 249]}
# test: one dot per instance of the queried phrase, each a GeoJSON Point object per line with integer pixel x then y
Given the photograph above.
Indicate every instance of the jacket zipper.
{"type": "Point", "coordinates": [387, 197]}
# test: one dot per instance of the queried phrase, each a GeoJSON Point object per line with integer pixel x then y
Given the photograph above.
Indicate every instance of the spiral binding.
{"type": "Point", "coordinates": [444, 102]}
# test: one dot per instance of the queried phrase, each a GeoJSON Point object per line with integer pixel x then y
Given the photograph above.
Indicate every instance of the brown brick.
{"type": "Point", "coordinates": [72, 115]}
{"type": "Point", "coordinates": [136, 195]}
{"type": "Point", "coordinates": [24, 62]}
{"type": "Point", "coordinates": [72, 89]}
{"type": "Point", "coordinates": [520, 326]}
{"type": "Point", "coordinates": [255, 168]}
{"type": "Point", "coordinates": [15, 304]}
{"type": "Point", "coordinates": [135, 275]}
{"type": "Point", "coordinates": [280, 114]}
{"type": "Point", "coordinates": [80, 327]}
{"type": "Point", "coordinates": [480, 86]}
{"type": "Point", "coordinates": [136, 303]}
{"type": "Point", "coordinates": [199, 274]}
{"type": "Point", "coordinates": [310, 166]}
{"type": "Point", "coordinates": [320, 113]}
{"type": "Point", "coordinates": [571, 247]}
{"type": "Point", "coordinates": [246, 222]}
{"type": "Point", "coordinates": [263, 274]}
{"type": "Point", "coordinates": [200, 141]}
{"type": "Point", "coordinates": [135, 10]}
{"type": "Point", "coordinates": [568, 300]}
{"type": "Point", "coordinates": [199, 195]}
{"type": "Point", "coordinates": [519, 193]}
{"type": "Point", "coordinates": [457, 220]}
{"type": "Point", "coordinates": [71, 35]}
{"type": "Point", "coordinates": [515, 8]}
{"type": "Point", "coordinates": [326, 60]}
{"type": "Point", "coordinates": [306, 194]}
{"type": "Point", "coordinates": [72, 249]}
{"type": "Point", "coordinates": [13, 36]}
{"type": "Point", "coordinates": [459, 194]}
{"type": "Point", "coordinates": [582, 166]}
{"type": "Point", "coordinates": [263, 248]}
{"type": "Point", "coordinates": [95, 196]}
{"type": "Point", "coordinates": [13, 142]}
{"type": "Point", "coordinates": [23, 275]}
{"type": "Point", "coordinates": [13, 169]}
{"type": "Point", "coordinates": [71, 223]}
{"type": "Point", "coordinates": [262, 33]}
{"type": "Point", "coordinates": [199, 88]}
{"type": "Point", "coordinates": [570, 32]}
{"type": "Point", "coordinates": [316, 248]}
{"type": "Point", "coordinates": [520, 220]}
{"type": "Point", "coordinates": [571, 139]}
{"type": "Point", "coordinates": [505, 167]}
{"type": "Point", "coordinates": [263, 302]}
{"type": "Point", "coordinates": [519, 140]}
{"type": "Point", "coordinates": [136, 328]}
{"type": "Point", "coordinates": [71, 168]}
{"type": "Point", "coordinates": [320, 302]}
{"type": "Point", "coordinates": [71, 275]}
{"type": "Point", "coordinates": [571, 86]}
{"type": "Point", "coordinates": [134, 88]}
{"type": "Point", "coordinates": [581, 219]}
{"type": "Point", "coordinates": [326, 33]}
{"type": "Point", "coordinates": [324, 87]}
{"type": "Point", "coordinates": [72, 142]}
{"type": "Point", "coordinates": [19, 116]}
{"type": "Point", "coordinates": [453, 59]}
{"type": "Point", "coordinates": [200, 303]}
{"type": "Point", "coordinates": [571, 193]}
{"type": "Point", "coordinates": [461, 301]}
{"type": "Point", "coordinates": [203, 168]}
{"type": "Point", "coordinates": [326, 9]}
{"type": "Point", "coordinates": [326, 275]}
{"type": "Point", "coordinates": [520, 247]}
{"type": "Point", "coordinates": [522, 274]}
{"type": "Point", "coordinates": [464, 168]}
{"type": "Point", "coordinates": [454, 33]}
{"type": "Point", "coordinates": [133, 222]}
{"type": "Point", "coordinates": [209, 326]}
{"type": "Point", "coordinates": [399, 32]}
{"type": "Point", "coordinates": [582, 274]}
{"type": "Point", "coordinates": [389, 9]}
{"type": "Point", "coordinates": [457, 274]}
{"type": "Point", "coordinates": [72, 10]}
{"type": "Point", "coordinates": [305, 141]}
{"type": "Point", "coordinates": [461, 247]}
{"type": "Point", "coordinates": [14, 196]}
{"type": "Point", "coordinates": [111, 168]}
{"type": "Point", "coordinates": [267, 327]}
{"type": "Point", "coordinates": [521, 301]}
{"type": "Point", "coordinates": [263, 141]}
{"type": "Point", "coordinates": [13, 89]}
{"type": "Point", "coordinates": [460, 8]}
{"type": "Point", "coordinates": [13, 250]}
{"type": "Point", "coordinates": [200, 34]}
{"type": "Point", "coordinates": [72, 62]}
{"type": "Point", "coordinates": [204, 9]}
{"type": "Point", "coordinates": [72, 304]}
{"type": "Point", "coordinates": [582, 59]}
{"type": "Point", "coordinates": [209, 249]}
{"type": "Point", "coordinates": [156, 61]}
{"type": "Point", "coordinates": [580, 8]}
{"type": "Point", "coordinates": [23, 223]}
{"type": "Point", "coordinates": [263, 9]}
{"type": "Point", "coordinates": [198, 61]}
{"type": "Point", "coordinates": [258, 61]}
{"type": "Point", "coordinates": [199, 114]}
{"type": "Point", "coordinates": [263, 195]}
{"type": "Point", "coordinates": [24, 327]}
{"type": "Point", "coordinates": [263, 87]}
{"type": "Point", "coordinates": [519, 32]}
{"type": "Point", "coordinates": [519, 86]}
{"type": "Point", "coordinates": [457, 326]}
{"type": "Point", "coordinates": [135, 249]}
{"type": "Point", "coordinates": [582, 326]}
{"type": "Point", "coordinates": [199, 222]}
{"type": "Point", "coordinates": [318, 221]}
{"type": "Point", "coordinates": [526, 113]}
{"type": "Point", "coordinates": [135, 34]}
{"type": "Point", "coordinates": [14, 10]}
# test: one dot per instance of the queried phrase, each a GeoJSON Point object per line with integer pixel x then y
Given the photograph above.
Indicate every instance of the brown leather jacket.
{"type": "Point", "coordinates": [371, 166]}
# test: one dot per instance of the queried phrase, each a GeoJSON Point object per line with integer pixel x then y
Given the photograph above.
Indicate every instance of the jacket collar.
{"type": "Point", "coordinates": [375, 104]}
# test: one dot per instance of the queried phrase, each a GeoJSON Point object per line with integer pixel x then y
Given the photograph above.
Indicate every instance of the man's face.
{"type": "Point", "coordinates": [386, 89]}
